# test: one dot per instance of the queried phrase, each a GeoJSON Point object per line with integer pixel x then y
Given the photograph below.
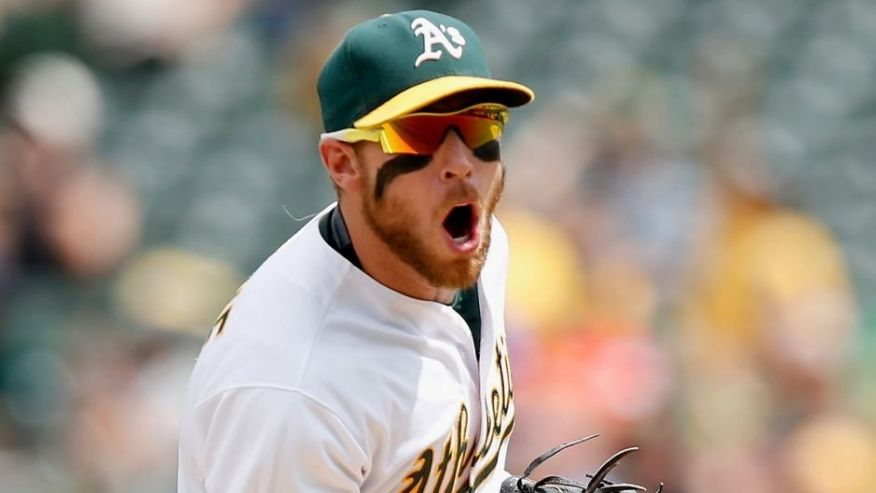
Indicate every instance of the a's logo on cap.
{"type": "Point", "coordinates": [435, 35]}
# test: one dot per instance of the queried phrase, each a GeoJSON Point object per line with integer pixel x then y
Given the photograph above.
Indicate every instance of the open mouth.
{"type": "Point", "coordinates": [460, 223]}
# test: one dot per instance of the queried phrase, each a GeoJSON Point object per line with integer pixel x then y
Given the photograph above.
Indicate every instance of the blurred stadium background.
{"type": "Point", "coordinates": [691, 203]}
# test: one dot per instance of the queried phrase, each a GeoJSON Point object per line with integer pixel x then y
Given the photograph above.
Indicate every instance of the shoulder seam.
{"type": "Point", "coordinates": [321, 324]}
{"type": "Point", "coordinates": [291, 390]}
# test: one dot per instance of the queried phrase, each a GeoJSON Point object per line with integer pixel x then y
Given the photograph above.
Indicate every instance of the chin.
{"type": "Point", "coordinates": [459, 273]}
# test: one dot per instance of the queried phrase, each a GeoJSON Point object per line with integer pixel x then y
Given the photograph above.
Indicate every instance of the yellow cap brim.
{"type": "Point", "coordinates": [510, 94]}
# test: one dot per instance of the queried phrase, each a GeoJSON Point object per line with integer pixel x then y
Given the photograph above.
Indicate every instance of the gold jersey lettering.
{"type": "Point", "coordinates": [416, 480]}
{"type": "Point", "coordinates": [499, 418]}
{"type": "Point", "coordinates": [449, 468]}
{"type": "Point", "coordinates": [450, 474]}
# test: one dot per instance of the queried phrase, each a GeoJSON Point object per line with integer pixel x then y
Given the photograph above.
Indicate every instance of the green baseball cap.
{"type": "Point", "coordinates": [398, 63]}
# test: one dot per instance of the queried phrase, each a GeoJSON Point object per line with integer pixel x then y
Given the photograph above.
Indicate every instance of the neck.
{"type": "Point", "coordinates": [382, 264]}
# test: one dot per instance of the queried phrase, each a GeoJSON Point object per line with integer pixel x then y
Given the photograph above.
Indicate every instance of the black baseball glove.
{"type": "Point", "coordinates": [558, 484]}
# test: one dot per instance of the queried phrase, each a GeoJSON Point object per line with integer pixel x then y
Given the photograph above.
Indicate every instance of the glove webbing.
{"type": "Point", "coordinates": [597, 483]}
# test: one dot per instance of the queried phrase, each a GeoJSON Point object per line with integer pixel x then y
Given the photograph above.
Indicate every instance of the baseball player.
{"type": "Point", "coordinates": [368, 353]}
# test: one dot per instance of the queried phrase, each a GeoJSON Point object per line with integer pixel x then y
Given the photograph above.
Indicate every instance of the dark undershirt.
{"type": "Point", "coordinates": [465, 303]}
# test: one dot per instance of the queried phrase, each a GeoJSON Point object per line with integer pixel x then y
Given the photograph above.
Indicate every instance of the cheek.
{"type": "Point", "coordinates": [491, 178]}
{"type": "Point", "coordinates": [407, 196]}
{"type": "Point", "coordinates": [416, 203]}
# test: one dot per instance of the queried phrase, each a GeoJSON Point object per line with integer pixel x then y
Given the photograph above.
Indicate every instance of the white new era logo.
{"type": "Point", "coordinates": [435, 35]}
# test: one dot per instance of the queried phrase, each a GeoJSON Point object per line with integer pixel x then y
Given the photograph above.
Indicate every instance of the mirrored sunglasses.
{"type": "Point", "coordinates": [423, 133]}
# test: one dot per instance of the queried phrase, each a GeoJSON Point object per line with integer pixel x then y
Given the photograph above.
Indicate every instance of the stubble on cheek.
{"type": "Point", "coordinates": [410, 239]}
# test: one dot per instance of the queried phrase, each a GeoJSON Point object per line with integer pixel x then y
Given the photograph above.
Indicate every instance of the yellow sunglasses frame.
{"type": "Point", "coordinates": [488, 111]}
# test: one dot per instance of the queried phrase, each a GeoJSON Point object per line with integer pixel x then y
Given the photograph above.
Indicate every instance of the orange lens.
{"type": "Point", "coordinates": [423, 133]}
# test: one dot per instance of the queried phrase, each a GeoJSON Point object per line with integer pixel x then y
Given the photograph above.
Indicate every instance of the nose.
{"type": "Point", "coordinates": [454, 158]}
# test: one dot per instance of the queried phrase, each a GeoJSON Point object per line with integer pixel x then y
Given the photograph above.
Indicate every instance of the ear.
{"type": "Point", "coordinates": [342, 164]}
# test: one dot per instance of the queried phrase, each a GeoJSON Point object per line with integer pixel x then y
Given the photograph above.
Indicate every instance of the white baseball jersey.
{"type": "Point", "coordinates": [321, 379]}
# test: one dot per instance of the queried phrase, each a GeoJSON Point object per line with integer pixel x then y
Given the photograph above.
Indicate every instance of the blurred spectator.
{"type": "Point", "coordinates": [770, 283]}
{"type": "Point", "coordinates": [70, 213]}
{"type": "Point", "coordinates": [584, 273]}
{"type": "Point", "coordinates": [126, 32]}
{"type": "Point", "coordinates": [125, 416]}
{"type": "Point", "coordinates": [830, 453]}
{"type": "Point", "coordinates": [767, 318]}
